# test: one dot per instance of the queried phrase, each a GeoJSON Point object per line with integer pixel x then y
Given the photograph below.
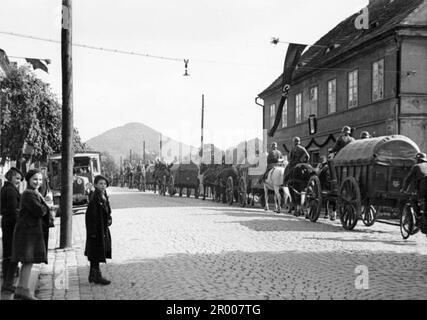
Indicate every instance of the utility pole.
{"type": "Point", "coordinates": [66, 203]}
{"type": "Point", "coordinates": [143, 151]}
{"type": "Point", "coordinates": [160, 148]}
{"type": "Point", "coordinates": [203, 119]}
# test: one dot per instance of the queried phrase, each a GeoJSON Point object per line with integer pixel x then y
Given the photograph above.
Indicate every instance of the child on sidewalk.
{"type": "Point", "coordinates": [98, 237]}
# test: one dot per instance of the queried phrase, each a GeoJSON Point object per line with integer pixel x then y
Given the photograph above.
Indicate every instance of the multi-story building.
{"type": "Point", "coordinates": [4, 64]}
{"type": "Point", "coordinates": [371, 79]}
{"type": "Point", "coordinates": [4, 69]}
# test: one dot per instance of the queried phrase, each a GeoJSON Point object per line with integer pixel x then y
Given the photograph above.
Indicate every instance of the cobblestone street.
{"type": "Point", "coordinates": [179, 248]}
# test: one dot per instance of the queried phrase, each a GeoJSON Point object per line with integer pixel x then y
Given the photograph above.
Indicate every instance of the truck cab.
{"type": "Point", "coordinates": [86, 166]}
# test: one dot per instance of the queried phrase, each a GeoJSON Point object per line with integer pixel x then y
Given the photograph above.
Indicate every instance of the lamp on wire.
{"type": "Point", "coordinates": [274, 41]}
{"type": "Point", "coordinates": [186, 74]}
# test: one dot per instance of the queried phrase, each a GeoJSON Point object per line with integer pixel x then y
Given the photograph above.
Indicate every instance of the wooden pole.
{"type": "Point", "coordinates": [203, 119]}
{"type": "Point", "coordinates": [66, 203]}
{"type": "Point", "coordinates": [160, 147]}
{"type": "Point", "coordinates": [143, 151]}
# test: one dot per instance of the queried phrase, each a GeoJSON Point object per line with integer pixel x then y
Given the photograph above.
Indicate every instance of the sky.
{"type": "Point", "coordinates": [227, 42]}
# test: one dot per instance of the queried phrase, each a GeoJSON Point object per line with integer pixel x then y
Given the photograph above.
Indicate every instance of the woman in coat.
{"type": "Point", "coordinates": [29, 245]}
{"type": "Point", "coordinates": [10, 201]}
{"type": "Point", "coordinates": [98, 237]}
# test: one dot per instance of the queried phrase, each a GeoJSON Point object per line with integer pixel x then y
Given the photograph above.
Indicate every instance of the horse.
{"type": "Point", "coordinates": [129, 175]}
{"type": "Point", "coordinates": [162, 176]}
{"type": "Point", "coordinates": [274, 181]}
{"type": "Point", "coordinates": [297, 181]}
{"type": "Point", "coordinates": [150, 177]}
{"type": "Point", "coordinates": [209, 179]}
{"type": "Point", "coordinates": [140, 177]}
{"type": "Point", "coordinates": [226, 171]}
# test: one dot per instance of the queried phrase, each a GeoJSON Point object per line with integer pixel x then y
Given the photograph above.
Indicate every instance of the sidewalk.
{"type": "Point", "coordinates": [35, 272]}
{"type": "Point", "coordinates": [57, 279]}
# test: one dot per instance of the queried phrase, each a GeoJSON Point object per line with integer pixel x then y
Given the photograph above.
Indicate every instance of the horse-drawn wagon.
{"type": "Point", "coordinates": [246, 186]}
{"type": "Point", "coordinates": [185, 176]}
{"type": "Point", "coordinates": [150, 179]}
{"type": "Point", "coordinates": [364, 175]}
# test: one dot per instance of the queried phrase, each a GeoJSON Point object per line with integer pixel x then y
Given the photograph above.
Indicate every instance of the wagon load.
{"type": "Point", "coordinates": [365, 175]}
{"type": "Point", "coordinates": [185, 175]}
{"type": "Point", "coordinates": [378, 164]}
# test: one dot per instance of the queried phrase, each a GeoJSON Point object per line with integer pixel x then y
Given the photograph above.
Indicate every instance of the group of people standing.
{"type": "Point", "coordinates": [25, 223]}
{"type": "Point", "coordinates": [25, 226]}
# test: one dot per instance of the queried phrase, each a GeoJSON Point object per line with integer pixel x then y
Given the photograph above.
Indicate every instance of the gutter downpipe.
{"type": "Point", "coordinates": [264, 131]}
{"type": "Point", "coordinates": [398, 81]}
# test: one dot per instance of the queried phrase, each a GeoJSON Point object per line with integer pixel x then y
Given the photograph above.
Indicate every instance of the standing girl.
{"type": "Point", "coordinates": [98, 237]}
{"type": "Point", "coordinates": [10, 200]}
{"type": "Point", "coordinates": [29, 245]}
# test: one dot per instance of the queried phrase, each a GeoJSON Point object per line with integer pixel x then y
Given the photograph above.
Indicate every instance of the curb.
{"type": "Point", "coordinates": [58, 280]}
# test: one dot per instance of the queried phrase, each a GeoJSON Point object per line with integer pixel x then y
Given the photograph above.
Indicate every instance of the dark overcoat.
{"type": "Point", "coordinates": [32, 226]}
{"type": "Point", "coordinates": [10, 199]}
{"type": "Point", "coordinates": [98, 236]}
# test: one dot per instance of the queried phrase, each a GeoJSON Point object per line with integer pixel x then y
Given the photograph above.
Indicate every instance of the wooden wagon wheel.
{"type": "Point", "coordinates": [349, 203]}
{"type": "Point", "coordinates": [314, 198]}
{"type": "Point", "coordinates": [243, 196]}
{"type": "Point", "coordinates": [408, 221]}
{"type": "Point", "coordinates": [163, 186]}
{"type": "Point", "coordinates": [229, 190]}
{"type": "Point", "coordinates": [171, 186]}
{"type": "Point", "coordinates": [369, 214]}
{"type": "Point", "coordinates": [197, 190]}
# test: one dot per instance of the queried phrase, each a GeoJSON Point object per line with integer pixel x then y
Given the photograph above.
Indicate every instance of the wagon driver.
{"type": "Point", "coordinates": [343, 140]}
{"type": "Point", "coordinates": [298, 155]}
{"type": "Point", "coordinates": [417, 177]}
{"type": "Point", "coordinates": [274, 158]}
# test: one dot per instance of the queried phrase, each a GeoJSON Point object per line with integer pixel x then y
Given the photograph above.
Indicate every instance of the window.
{"type": "Point", "coordinates": [332, 96]}
{"type": "Point", "coordinates": [352, 89]}
{"type": "Point", "coordinates": [298, 105]}
{"type": "Point", "coordinates": [95, 165]}
{"type": "Point", "coordinates": [272, 114]}
{"type": "Point", "coordinates": [378, 80]}
{"type": "Point", "coordinates": [285, 114]}
{"type": "Point", "coordinates": [314, 157]}
{"type": "Point", "coordinates": [312, 102]}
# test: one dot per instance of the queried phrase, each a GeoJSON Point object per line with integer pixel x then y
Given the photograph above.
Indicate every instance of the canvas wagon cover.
{"type": "Point", "coordinates": [185, 167]}
{"type": "Point", "coordinates": [387, 150]}
{"type": "Point", "coordinates": [185, 173]}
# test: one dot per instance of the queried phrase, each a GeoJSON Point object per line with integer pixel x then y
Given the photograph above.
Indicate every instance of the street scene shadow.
{"type": "Point", "coordinates": [286, 222]}
{"type": "Point", "coordinates": [151, 200]}
{"type": "Point", "coordinates": [283, 275]}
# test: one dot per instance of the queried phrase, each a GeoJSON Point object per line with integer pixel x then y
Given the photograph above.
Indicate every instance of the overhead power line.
{"type": "Point", "coordinates": [147, 55]}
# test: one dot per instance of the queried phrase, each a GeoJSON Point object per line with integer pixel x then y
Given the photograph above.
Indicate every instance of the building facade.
{"type": "Point", "coordinates": [372, 80]}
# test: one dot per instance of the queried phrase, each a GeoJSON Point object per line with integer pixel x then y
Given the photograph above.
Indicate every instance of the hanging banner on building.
{"type": "Point", "coordinates": [293, 56]}
{"type": "Point", "coordinates": [312, 124]}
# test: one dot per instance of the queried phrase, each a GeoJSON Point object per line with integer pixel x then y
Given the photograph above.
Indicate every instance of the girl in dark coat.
{"type": "Point", "coordinates": [29, 245]}
{"type": "Point", "coordinates": [98, 237]}
{"type": "Point", "coordinates": [10, 200]}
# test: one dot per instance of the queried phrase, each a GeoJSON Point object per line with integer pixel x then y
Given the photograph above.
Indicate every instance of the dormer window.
{"type": "Point", "coordinates": [301, 65]}
{"type": "Point", "coordinates": [332, 47]}
{"type": "Point", "coordinates": [374, 24]}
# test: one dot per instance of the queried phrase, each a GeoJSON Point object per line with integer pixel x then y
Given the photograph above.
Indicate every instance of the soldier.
{"type": "Point", "coordinates": [297, 155]}
{"type": "Point", "coordinates": [273, 159]}
{"type": "Point", "coordinates": [342, 141]}
{"type": "Point", "coordinates": [417, 177]}
{"type": "Point", "coordinates": [365, 135]}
